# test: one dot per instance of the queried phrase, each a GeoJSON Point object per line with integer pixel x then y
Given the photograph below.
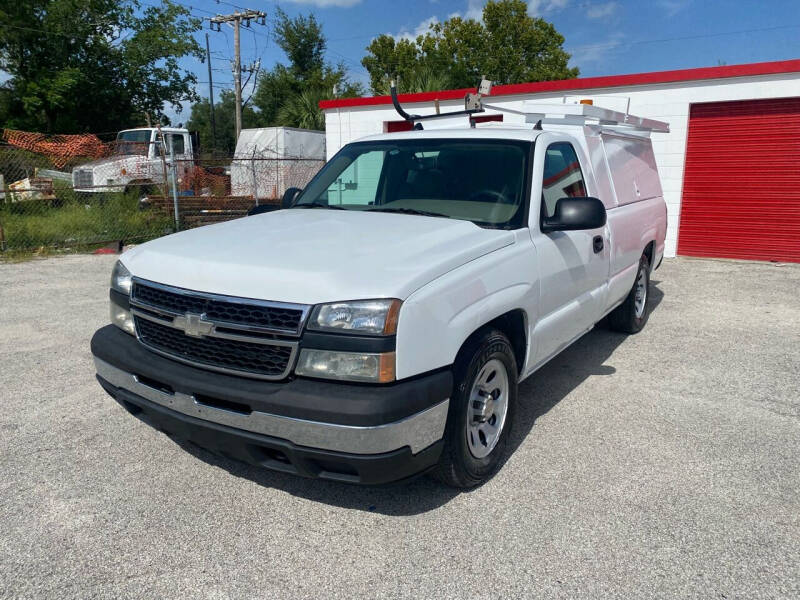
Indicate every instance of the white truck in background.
{"type": "Point", "coordinates": [137, 161]}
{"type": "Point", "coordinates": [370, 332]}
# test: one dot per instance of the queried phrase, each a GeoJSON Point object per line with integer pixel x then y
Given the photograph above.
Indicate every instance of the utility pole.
{"type": "Point", "coordinates": [236, 18]}
{"type": "Point", "coordinates": [211, 98]}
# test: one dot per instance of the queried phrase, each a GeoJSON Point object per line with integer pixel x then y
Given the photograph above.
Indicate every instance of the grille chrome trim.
{"type": "Point", "coordinates": [84, 178]}
{"type": "Point", "coordinates": [294, 345]}
{"type": "Point", "coordinates": [220, 329]}
{"type": "Point", "coordinates": [304, 309]}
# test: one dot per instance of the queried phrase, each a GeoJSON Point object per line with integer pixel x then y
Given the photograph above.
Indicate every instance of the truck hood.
{"type": "Point", "coordinates": [314, 255]}
{"type": "Point", "coordinates": [119, 159]}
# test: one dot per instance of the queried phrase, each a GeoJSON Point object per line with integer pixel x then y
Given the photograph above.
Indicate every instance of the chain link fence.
{"type": "Point", "coordinates": [76, 193]}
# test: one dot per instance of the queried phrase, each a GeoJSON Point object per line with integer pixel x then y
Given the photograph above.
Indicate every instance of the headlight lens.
{"type": "Point", "coordinates": [122, 318]}
{"type": "Point", "coordinates": [121, 282]}
{"type": "Point", "coordinates": [121, 279]}
{"type": "Point", "coordinates": [350, 366]}
{"type": "Point", "coordinates": [371, 317]}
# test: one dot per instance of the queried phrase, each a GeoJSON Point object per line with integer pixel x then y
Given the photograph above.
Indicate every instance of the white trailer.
{"type": "Point", "coordinates": [269, 160]}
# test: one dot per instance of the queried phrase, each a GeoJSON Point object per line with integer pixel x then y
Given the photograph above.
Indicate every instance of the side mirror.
{"type": "Point", "coordinates": [573, 214]}
{"type": "Point", "coordinates": [289, 196]}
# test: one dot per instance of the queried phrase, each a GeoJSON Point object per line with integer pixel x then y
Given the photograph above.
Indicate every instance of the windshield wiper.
{"type": "Point", "coordinates": [316, 204]}
{"type": "Point", "coordinates": [409, 211]}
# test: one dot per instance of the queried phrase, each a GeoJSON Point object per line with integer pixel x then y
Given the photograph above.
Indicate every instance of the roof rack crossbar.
{"type": "Point", "coordinates": [582, 114]}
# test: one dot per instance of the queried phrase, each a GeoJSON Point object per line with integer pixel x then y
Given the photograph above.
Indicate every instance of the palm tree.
{"type": "Point", "coordinates": [424, 79]}
{"type": "Point", "coordinates": [302, 110]}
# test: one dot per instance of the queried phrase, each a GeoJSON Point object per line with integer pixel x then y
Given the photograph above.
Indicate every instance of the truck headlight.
{"type": "Point", "coordinates": [121, 279]}
{"type": "Point", "coordinates": [122, 318]}
{"type": "Point", "coordinates": [121, 283]}
{"type": "Point", "coordinates": [370, 317]}
{"type": "Point", "coordinates": [348, 366]}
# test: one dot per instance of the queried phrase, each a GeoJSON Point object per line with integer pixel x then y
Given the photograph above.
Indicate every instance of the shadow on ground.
{"type": "Point", "coordinates": [537, 395]}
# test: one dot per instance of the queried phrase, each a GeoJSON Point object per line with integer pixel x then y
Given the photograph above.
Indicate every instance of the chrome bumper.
{"type": "Point", "coordinates": [417, 431]}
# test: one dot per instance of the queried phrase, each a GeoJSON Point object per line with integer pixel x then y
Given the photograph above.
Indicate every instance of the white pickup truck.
{"type": "Point", "coordinates": [373, 331]}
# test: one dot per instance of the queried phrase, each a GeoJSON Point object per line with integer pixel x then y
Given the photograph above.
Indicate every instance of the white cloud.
{"type": "Point", "coordinates": [601, 11]}
{"type": "Point", "coordinates": [474, 11]}
{"type": "Point", "coordinates": [536, 8]}
{"type": "Point", "coordinates": [595, 53]}
{"type": "Point", "coordinates": [420, 29]}
{"type": "Point", "coordinates": [673, 7]}
{"type": "Point", "coordinates": [328, 3]}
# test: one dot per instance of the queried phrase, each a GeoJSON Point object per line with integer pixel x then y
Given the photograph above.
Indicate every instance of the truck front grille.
{"type": "Point", "coordinates": [272, 316]}
{"type": "Point", "coordinates": [83, 178]}
{"type": "Point", "coordinates": [248, 337]}
{"type": "Point", "coordinates": [249, 358]}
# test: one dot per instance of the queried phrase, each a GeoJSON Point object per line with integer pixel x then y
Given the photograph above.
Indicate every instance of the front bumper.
{"type": "Point", "coordinates": [347, 432]}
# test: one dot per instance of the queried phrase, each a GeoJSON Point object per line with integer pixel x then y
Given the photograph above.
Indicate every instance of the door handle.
{"type": "Point", "coordinates": [597, 244]}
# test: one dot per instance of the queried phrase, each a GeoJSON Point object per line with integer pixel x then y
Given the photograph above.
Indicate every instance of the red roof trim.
{"type": "Point", "coordinates": [586, 83]}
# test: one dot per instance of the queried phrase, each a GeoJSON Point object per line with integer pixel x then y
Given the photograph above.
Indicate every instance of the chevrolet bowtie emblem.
{"type": "Point", "coordinates": [193, 324]}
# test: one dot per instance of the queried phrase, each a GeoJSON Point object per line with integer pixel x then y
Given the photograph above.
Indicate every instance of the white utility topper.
{"type": "Point", "coordinates": [378, 326]}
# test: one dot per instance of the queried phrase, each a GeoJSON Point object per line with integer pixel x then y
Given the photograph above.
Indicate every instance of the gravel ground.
{"type": "Point", "coordinates": [659, 465]}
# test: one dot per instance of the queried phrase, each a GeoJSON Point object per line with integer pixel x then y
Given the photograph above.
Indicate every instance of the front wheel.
{"type": "Point", "coordinates": [481, 411]}
{"type": "Point", "coordinates": [631, 316]}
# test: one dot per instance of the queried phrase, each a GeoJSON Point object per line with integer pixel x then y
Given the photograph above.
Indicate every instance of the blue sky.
{"type": "Point", "coordinates": [604, 37]}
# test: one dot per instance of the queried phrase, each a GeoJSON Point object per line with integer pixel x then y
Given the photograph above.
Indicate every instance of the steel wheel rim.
{"type": "Point", "coordinates": [640, 295]}
{"type": "Point", "coordinates": [488, 406]}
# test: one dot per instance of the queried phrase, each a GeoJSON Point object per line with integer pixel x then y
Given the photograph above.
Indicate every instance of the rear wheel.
{"type": "Point", "coordinates": [631, 316]}
{"type": "Point", "coordinates": [482, 411]}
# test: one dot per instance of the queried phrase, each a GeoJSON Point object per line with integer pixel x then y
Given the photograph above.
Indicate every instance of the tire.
{"type": "Point", "coordinates": [631, 316]}
{"type": "Point", "coordinates": [473, 453]}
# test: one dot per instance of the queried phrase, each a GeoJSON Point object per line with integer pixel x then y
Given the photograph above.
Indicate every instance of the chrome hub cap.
{"type": "Point", "coordinates": [488, 405]}
{"type": "Point", "coordinates": [640, 294]}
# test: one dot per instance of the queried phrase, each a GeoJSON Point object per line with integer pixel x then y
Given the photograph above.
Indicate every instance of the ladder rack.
{"type": "Point", "coordinates": [582, 114]}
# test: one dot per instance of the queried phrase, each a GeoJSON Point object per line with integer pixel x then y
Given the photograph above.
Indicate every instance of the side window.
{"type": "Point", "coordinates": [562, 176]}
{"type": "Point", "coordinates": [173, 140]}
{"type": "Point", "coordinates": [178, 146]}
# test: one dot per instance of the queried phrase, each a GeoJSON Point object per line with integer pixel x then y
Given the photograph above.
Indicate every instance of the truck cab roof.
{"type": "Point", "coordinates": [482, 131]}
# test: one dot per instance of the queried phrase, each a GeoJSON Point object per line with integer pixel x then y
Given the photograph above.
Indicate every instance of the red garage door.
{"type": "Point", "coordinates": [741, 185]}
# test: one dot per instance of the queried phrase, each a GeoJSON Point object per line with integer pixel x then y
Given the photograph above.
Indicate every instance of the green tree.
{"type": "Point", "coordinates": [507, 46]}
{"type": "Point", "coordinates": [302, 110]}
{"type": "Point", "coordinates": [389, 58]}
{"type": "Point", "coordinates": [289, 94]}
{"type": "Point", "coordinates": [93, 65]}
{"type": "Point", "coordinates": [225, 119]}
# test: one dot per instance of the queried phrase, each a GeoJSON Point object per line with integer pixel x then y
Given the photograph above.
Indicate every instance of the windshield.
{"type": "Point", "coordinates": [482, 181]}
{"type": "Point", "coordinates": [136, 141]}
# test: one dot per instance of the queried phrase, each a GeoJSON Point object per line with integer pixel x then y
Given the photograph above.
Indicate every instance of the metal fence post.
{"type": "Point", "coordinates": [255, 181]}
{"type": "Point", "coordinates": [174, 187]}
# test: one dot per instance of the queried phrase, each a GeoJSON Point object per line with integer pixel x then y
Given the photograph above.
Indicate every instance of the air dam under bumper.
{"type": "Point", "coordinates": [263, 423]}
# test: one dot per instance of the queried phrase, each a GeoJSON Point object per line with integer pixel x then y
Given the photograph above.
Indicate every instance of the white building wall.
{"type": "Point", "coordinates": [666, 102]}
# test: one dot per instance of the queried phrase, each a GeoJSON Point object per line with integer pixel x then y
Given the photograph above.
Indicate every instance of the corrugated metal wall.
{"type": "Point", "coordinates": [741, 186]}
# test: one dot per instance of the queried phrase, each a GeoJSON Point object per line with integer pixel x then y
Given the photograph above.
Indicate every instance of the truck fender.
{"type": "Point", "coordinates": [437, 318]}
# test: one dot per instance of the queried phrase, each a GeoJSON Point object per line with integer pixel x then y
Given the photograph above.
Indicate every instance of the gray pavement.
{"type": "Point", "coordinates": [660, 465]}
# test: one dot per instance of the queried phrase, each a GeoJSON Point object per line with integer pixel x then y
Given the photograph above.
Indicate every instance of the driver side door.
{"type": "Point", "coordinates": [573, 265]}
